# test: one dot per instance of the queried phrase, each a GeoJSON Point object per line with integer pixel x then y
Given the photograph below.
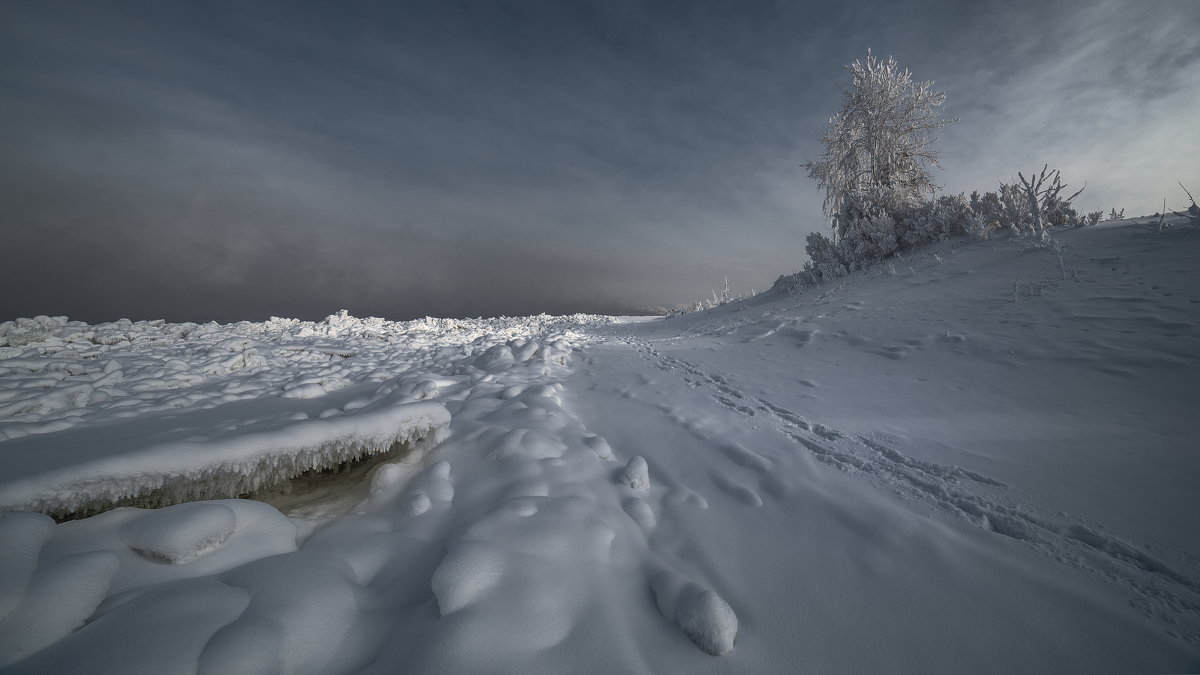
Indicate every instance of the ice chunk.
{"type": "Point", "coordinates": [27, 331]}
{"type": "Point", "coordinates": [635, 475]}
{"type": "Point", "coordinates": [181, 533]}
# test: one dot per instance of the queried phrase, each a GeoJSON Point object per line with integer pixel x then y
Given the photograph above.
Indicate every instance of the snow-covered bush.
{"type": "Point", "coordinates": [1193, 211]}
{"type": "Point", "coordinates": [795, 283]}
{"type": "Point", "coordinates": [1027, 208]}
{"type": "Point", "coordinates": [1115, 214]}
{"type": "Point", "coordinates": [933, 220]}
{"type": "Point", "coordinates": [868, 241]}
{"type": "Point", "coordinates": [1003, 210]}
{"type": "Point", "coordinates": [870, 234]}
{"type": "Point", "coordinates": [825, 258]}
{"type": "Point", "coordinates": [987, 215]}
{"type": "Point", "coordinates": [1045, 205]}
{"type": "Point", "coordinates": [722, 297]}
{"type": "Point", "coordinates": [871, 203]}
{"type": "Point", "coordinates": [1014, 209]}
{"type": "Point", "coordinates": [978, 228]}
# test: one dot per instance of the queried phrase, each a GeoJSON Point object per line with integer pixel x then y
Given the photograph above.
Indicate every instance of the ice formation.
{"type": "Point", "coordinates": [153, 474]}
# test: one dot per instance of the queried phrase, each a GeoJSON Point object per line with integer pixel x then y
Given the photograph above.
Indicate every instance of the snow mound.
{"type": "Point", "coordinates": [155, 546]}
{"type": "Point", "coordinates": [635, 475]}
{"type": "Point", "coordinates": [497, 358]}
{"type": "Point", "coordinates": [641, 512]}
{"type": "Point", "coordinates": [180, 533]}
{"type": "Point", "coordinates": [418, 504]}
{"type": "Point", "coordinates": [599, 446]}
{"type": "Point", "coordinates": [319, 619]}
{"type": "Point", "coordinates": [699, 612]}
{"type": "Point", "coordinates": [57, 600]}
{"type": "Point", "coordinates": [24, 534]}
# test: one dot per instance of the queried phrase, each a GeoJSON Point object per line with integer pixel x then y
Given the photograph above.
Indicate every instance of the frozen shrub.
{"type": "Point", "coordinates": [1045, 205]}
{"type": "Point", "coordinates": [868, 241]}
{"type": "Point", "coordinates": [1004, 209]}
{"type": "Point", "coordinates": [1014, 210]}
{"type": "Point", "coordinates": [1193, 211]}
{"type": "Point", "coordinates": [724, 297]}
{"type": "Point", "coordinates": [987, 215]}
{"type": "Point", "coordinates": [1026, 209]}
{"type": "Point", "coordinates": [1007, 209]}
{"type": "Point", "coordinates": [978, 227]}
{"type": "Point", "coordinates": [718, 298]}
{"type": "Point", "coordinates": [793, 284]}
{"type": "Point", "coordinates": [869, 204]}
{"type": "Point", "coordinates": [825, 259]}
{"type": "Point", "coordinates": [933, 220]}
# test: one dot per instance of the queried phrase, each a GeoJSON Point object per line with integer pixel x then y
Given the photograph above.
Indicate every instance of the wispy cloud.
{"type": "Point", "coordinates": [238, 160]}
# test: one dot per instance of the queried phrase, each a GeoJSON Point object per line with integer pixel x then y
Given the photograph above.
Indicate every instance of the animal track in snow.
{"type": "Point", "coordinates": [1157, 589]}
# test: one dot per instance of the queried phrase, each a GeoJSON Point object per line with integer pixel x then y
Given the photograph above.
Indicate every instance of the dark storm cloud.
{"type": "Point", "coordinates": [235, 160]}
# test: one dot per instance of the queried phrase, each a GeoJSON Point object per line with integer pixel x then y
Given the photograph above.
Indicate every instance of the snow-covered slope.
{"type": "Point", "coordinates": [964, 462]}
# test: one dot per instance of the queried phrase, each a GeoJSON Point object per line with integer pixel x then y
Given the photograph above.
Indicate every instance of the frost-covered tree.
{"type": "Point", "coordinates": [879, 146]}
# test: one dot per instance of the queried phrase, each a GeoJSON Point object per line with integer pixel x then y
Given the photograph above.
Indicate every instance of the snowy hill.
{"type": "Point", "coordinates": [971, 460]}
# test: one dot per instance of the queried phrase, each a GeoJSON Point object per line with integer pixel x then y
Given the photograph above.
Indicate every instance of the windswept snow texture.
{"type": "Point", "coordinates": [971, 465]}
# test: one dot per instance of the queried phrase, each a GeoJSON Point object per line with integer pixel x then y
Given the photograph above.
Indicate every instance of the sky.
{"type": "Point", "coordinates": [217, 160]}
